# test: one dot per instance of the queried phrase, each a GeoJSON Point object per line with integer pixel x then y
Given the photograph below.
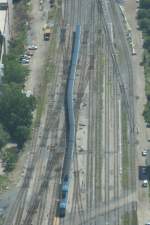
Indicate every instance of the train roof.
{"type": "Point", "coordinates": [65, 186]}
{"type": "Point", "coordinates": [62, 205]}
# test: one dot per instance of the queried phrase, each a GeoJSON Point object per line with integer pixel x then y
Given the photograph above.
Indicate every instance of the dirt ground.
{"type": "Point", "coordinates": [143, 133]}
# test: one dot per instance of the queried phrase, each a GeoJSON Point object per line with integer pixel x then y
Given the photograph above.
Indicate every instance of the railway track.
{"type": "Point", "coordinates": [116, 148]}
{"type": "Point", "coordinates": [93, 154]}
{"type": "Point", "coordinates": [50, 125]}
{"type": "Point", "coordinates": [110, 112]}
{"type": "Point", "coordinates": [38, 152]}
{"type": "Point", "coordinates": [79, 96]}
{"type": "Point", "coordinates": [98, 128]}
{"type": "Point", "coordinates": [116, 113]}
{"type": "Point", "coordinates": [75, 6]}
{"type": "Point", "coordinates": [88, 76]}
{"type": "Point", "coordinates": [85, 73]}
{"type": "Point", "coordinates": [129, 84]}
{"type": "Point", "coordinates": [107, 134]}
{"type": "Point", "coordinates": [115, 89]}
{"type": "Point", "coordinates": [53, 127]}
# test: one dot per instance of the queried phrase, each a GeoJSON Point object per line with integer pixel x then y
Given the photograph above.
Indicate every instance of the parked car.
{"type": "Point", "coordinates": [148, 223]}
{"type": "Point", "coordinates": [145, 183]}
{"type": "Point", "coordinates": [24, 61]}
{"type": "Point", "coordinates": [25, 57]}
{"type": "Point", "coordinates": [32, 47]}
{"type": "Point", "coordinates": [144, 153]}
{"type": "Point", "coordinates": [29, 53]}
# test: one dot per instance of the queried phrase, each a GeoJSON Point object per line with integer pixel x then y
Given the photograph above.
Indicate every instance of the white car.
{"type": "Point", "coordinates": [147, 223]}
{"type": "Point", "coordinates": [32, 47]}
{"type": "Point", "coordinates": [145, 183]}
{"type": "Point", "coordinates": [144, 153]}
{"type": "Point", "coordinates": [24, 61]}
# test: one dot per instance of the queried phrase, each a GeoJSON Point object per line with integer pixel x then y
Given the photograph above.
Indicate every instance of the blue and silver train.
{"type": "Point", "coordinates": [70, 123]}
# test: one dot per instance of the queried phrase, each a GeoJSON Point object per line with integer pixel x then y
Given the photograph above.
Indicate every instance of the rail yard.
{"type": "Point", "coordinates": [81, 167]}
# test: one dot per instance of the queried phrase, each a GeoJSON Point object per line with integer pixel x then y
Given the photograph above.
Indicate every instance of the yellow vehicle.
{"type": "Point", "coordinates": [47, 32]}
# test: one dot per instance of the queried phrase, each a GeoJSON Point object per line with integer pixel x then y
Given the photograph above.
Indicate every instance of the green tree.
{"type": "Point", "coordinates": [142, 13]}
{"type": "Point", "coordinates": [4, 137]}
{"type": "Point", "coordinates": [14, 72]}
{"type": "Point", "coordinates": [146, 112]}
{"type": "Point", "coordinates": [21, 134]}
{"type": "Point", "coordinates": [16, 46]}
{"type": "Point", "coordinates": [145, 24]}
{"type": "Point", "coordinates": [16, 111]}
{"type": "Point", "coordinates": [147, 43]}
{"type": "Point", "coordinates": [145, 4]}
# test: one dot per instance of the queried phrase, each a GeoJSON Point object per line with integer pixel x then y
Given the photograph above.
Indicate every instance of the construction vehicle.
{"type": "Point", "coordinates": [47, 32]}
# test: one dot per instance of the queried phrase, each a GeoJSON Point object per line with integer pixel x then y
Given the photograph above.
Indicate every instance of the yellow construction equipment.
{"type": "Point", "coordinates": [47, 32]}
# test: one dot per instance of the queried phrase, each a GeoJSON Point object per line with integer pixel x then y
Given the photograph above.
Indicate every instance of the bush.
{"type": "Point", "coordinates": [10, 157]}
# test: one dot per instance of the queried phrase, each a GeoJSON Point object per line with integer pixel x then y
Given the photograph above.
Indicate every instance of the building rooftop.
{"type": "Point", "coordinates": [3, 1]}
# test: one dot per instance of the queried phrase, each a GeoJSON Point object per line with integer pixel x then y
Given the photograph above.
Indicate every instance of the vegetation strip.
{"type": "Point", "coordinates": [15, 106]}
{"type": "Point", "coordinates": [125, 158]}
{"type": "Point", "coordinates": [144, 24]}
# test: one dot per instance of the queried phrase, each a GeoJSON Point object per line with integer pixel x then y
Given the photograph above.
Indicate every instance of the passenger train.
{"type": "Point", "coordinates": [70, 124]}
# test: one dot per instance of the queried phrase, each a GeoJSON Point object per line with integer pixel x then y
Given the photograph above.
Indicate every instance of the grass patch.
{"type": "Point", "coordinates": [4, 181]}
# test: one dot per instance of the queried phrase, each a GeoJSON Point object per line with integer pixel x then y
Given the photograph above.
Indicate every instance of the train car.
{"type": "Point", "coordinates": [62, 206]}
{"type": "Point", "coordinates": [70, 124]}
{"type": "Point", "coordinates": [65, 184]}
{"type": "Point", "coordinates": [63, 196]}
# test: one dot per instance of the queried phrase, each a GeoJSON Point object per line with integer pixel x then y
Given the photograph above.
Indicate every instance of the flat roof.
{"type": "Point", "coordinates": [2, 20]}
